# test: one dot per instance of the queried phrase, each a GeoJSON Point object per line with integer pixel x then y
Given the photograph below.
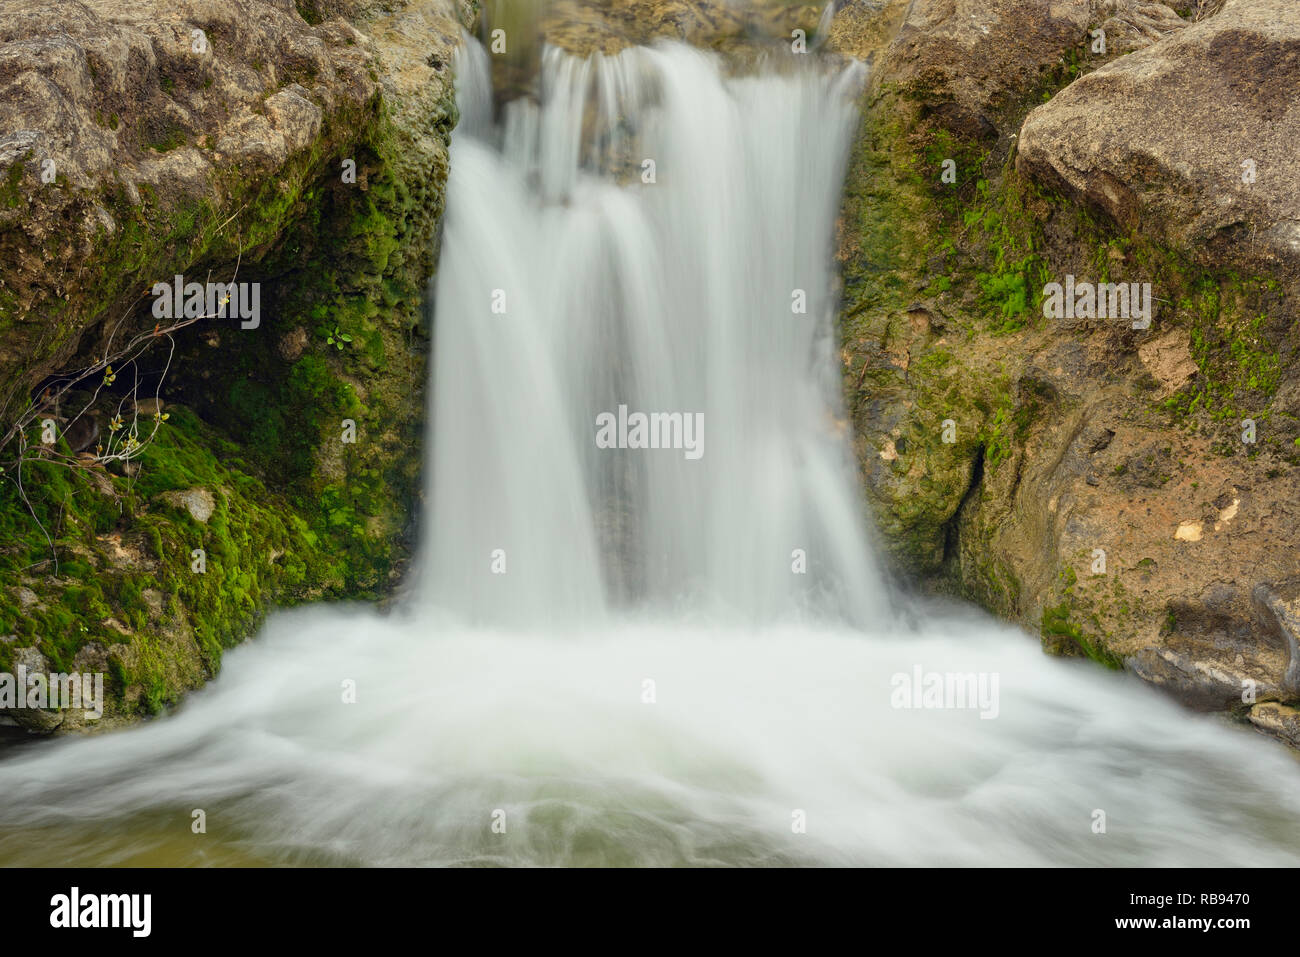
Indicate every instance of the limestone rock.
{"type": "Point", "coordinates": [1192, 140]}
{"type": "Point", "coordinates": [1278, 720]}
{"type": "Point", "coordinates": [1281, 616]}
{"type": "Point", "coordinates": [207, 136]}
{"type": "Point", "coordinates": [135, 110]}
{"type": "Point", "coordinates": [1129, 25]}
{"type": "Point", "coordinates": [966, 61]}
{"type": "Point", "coordinates": [35, 720]}
{"type": "Point", "coordinates": [197, 501]}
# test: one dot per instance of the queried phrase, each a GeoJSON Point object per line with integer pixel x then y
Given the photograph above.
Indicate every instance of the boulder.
{"type": "Point", "coordinates": [1278, 611]}
{"type": "Point", "coordinates": [966, 62]}
{"type": "Point", "coordinates": [1192, 140]}
{"type": "Point", "coordinates": [30, 661]}
{"type": "Point", "coordinates": [1129, 25]}
{"type": "Point", "coordinates": [1278, 720]}
{"type": "Point", "coordinates": [117, 118]}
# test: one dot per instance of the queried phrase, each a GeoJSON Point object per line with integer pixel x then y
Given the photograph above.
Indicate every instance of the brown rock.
{"type": "Point", "coordinates": [966, 61]}
{"type": "Point", "coordinates": [102, 108]}
{"type": "Point", "coordinates": [1193, 139]}
{"type": "Point", "coordinates": [1278, 720]}
{"type": "Point", "coordinates": [1279, 615]}
{"type": "Point", "coordinates": [1168, 358]}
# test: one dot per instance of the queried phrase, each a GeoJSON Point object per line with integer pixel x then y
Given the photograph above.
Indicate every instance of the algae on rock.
{"type": "Point", "coordinates": [307, 154]}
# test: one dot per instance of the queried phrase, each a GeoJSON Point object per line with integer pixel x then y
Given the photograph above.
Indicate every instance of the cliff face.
{"type": "Point", "coordinates": [1123, 482]}
{"type": "Point", "coordinates": [1125, 485]}
{"type": "Point", "coordinates": [168, 475]}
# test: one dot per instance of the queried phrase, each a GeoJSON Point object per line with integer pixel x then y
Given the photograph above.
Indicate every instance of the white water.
{"type": "Point", "coordinates": [672, 297]}
{"type": "Point", "coordinates": [523, 692]}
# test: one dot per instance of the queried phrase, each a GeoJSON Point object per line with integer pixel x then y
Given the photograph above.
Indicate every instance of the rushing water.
{"type": "Point", "coordinates": [616, 656]}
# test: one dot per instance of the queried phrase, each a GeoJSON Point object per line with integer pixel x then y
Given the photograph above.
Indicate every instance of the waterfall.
{"type": "Point", "coordinates": [620, 655]}
{"type": "Point", "coordinates": [657, 238]}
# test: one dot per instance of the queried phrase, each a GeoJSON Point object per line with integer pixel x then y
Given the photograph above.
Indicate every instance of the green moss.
{"type": "Point", "coordinates": [11, 189]}
{"type": "Point", "coordinates": [244, 539]}
{"type": "Point", "coordinates": [1056, 627]}
{"type": "Point", "coordinates": [310, 11]}
{"type": "Point", "coordinates": [298, 515]}
{"type": "Point", "coordinates": [173, 137]}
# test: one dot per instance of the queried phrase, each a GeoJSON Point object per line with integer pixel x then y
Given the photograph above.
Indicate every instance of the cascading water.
{"type": "Point", "coordinates": [610, 655]}
{"type": "Point", "coordinates": [704, 295]}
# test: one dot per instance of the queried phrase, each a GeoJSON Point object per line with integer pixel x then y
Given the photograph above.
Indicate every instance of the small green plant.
{"type": "Point", "coordinates": [1006, 292]}
{"type": "Point", "coordinates": [337, 338]}
{"type": "Point", "coordinates": [998, 446]}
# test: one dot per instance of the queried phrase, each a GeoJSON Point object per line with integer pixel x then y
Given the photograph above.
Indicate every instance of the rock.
{"type": "Point", "coordinates": [1151, 467]}
{"type": "Point", "coordinates": [170, 161]}
{"type": "Point", "coordinates": [1197, 684]}
{"type": "Point", "coordinates": [607, 26]}
{"type": "Point", "coordinates": [860, 28]}
{"type": "Point", "coordinates": [1092, 440]}
{"type": "Point", "coordinates": [1193, 139]}
{"type": "Point", "coordinates": [292, 343]}
{"type": "Point", "coordinates": [1098, 439]}
{"type": "Point", "coordinates": [1280, 617]}
{"type": "Point", "coordinates": [966, 62]}
{"type": "Point", "coordinates": [35, 720]}
{"type": "Point", "coordinates": [1168, 358]}
{"type": "Point", "coordinates": [197, 501]}
{"type": "Point", "coordinates": [104, 108]}
{"type": "Point", "coordinates": [1134, 24]}
{"type": "Point", "coordinates": [1278, 720]}
{"type": "Point", "coordinates": [83, 433]}
{"type": "Point", "coordinates": [1204, 675]}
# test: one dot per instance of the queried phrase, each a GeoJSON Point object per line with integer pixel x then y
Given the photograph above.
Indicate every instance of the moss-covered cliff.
{"type": "Point", "coordinates": [1127, 492]}
{"type": "Point", "coordinates": [162, 489]}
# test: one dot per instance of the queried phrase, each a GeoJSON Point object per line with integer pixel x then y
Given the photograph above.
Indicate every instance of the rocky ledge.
{"type": "Point", "coordinates": [169, 474]}
{"type": "Point", "coordinates": [1122, 478]}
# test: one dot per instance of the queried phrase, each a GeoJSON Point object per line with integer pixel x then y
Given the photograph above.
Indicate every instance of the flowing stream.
{"type": "Point", "coordinates": [647, 655]}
